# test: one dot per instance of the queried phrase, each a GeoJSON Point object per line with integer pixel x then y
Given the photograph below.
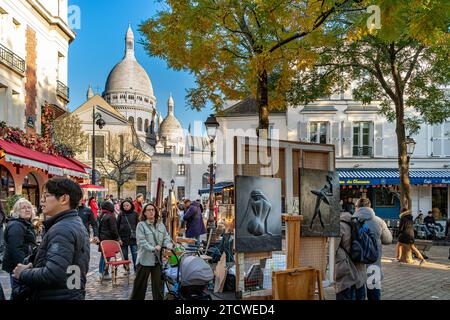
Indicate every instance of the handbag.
{"type": "Point", "coordinates": [132, 232]}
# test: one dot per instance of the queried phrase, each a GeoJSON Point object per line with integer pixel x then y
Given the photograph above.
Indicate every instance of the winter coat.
{"type": "Point", "coordinates": [346, 273]}
{"type": "Point", "coordinates": [429, 220]}
{"type": "Point", "coordinates": [127, 221]}
{"type": "Point", "coordinates": [107, 226]}
{"type": "Point", "coordinates": [194, 221]}
{"type": "Point", "coordinates": [148, 237]}
{"type": "Point", "coordinates": [381, 231]}
{"type": "Point", "coordinates": [94, 207]}
{"type": "Point", "coordinates": [20, 241]}
{"type": "Point", "coordinates": [88, 218]}
{"type": "Point", "coordinates": [137, 207]}
{"type": "Point", "coordinates": [65, 244]}
{"type": "Point", "coordinates": [406, 228]}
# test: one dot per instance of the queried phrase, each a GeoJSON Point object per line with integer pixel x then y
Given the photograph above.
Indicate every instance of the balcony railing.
{"type": "Point", "coordinates": [12, 60]}
{"type": "Point", "coordinates": [363, 151]}
{"type": "Point", "coordinates": [62, 90]}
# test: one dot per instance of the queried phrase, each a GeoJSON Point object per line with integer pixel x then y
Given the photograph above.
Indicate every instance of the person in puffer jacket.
{"type": "Point", "coordinates": [347, 277]}
{"type": "Point", "coordinates": [58, 272]}
{"type": "Point", "coordinates": [372, 273]}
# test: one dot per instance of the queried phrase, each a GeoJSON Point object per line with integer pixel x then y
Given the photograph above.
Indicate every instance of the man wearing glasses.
{"type": "Point", "coordinates": [58, 271]}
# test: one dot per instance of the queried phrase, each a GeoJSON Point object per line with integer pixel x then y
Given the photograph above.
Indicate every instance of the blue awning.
{"type": "Point", "coordinates": [218, 187]}
{"type": "Point", "coordinates": [391, 176]}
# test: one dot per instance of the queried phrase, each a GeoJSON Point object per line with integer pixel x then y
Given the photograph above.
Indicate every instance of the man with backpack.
{"type": "Point", "coordinates": [375, 232]}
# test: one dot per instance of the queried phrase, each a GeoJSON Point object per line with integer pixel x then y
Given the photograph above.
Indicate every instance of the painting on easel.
{"type": "Point", "coordinates": [319, 203]}
{"type": "Point", "coordinates": [258, 214]}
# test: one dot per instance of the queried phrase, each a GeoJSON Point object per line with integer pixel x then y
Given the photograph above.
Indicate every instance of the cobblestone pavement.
{"type": "Point", "coordinates": [430, 281]}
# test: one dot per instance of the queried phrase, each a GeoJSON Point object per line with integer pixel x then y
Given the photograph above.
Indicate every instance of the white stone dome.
{"type": "Point", "coordinates": [170, 129]}
{"type": "Point", "coordinates": [128, 75]}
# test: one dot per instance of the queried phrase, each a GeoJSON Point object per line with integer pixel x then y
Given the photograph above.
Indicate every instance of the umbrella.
{"type": "Point", "coordinates": [93, 187]}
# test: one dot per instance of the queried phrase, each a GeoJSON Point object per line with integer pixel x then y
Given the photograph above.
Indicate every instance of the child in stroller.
{"type": "Point", "coordinates": [187, 278]}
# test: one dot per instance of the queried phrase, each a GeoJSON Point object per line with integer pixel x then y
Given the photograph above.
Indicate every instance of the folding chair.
{"type": "Point", "coordinates": [110, 251]}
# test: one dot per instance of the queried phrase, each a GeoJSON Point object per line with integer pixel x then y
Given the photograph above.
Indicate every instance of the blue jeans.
{"type": "Point", "coordinates": [373, 294]}
{"type": "Point", "coordinates": [347, 294]}
{"type": "Point", "coordinates": [134, 249]}
{"type": "Point", "coordinates": [101, 267]}
{"type": "Point", "coordinates": [352, 293]}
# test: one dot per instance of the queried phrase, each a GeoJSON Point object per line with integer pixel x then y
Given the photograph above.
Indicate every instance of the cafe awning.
{"type": "Point", "coordinates": [218, 187]}
{"type": "Point", "coordinates": [391, 176]}
{"type": "Point", "coordinates": [55, 165]}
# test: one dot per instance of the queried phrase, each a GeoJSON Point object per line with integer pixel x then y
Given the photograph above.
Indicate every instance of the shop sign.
{"type": "Point", "coordinates": [355, 181]}
{"type": "Point", "coordinates": [55, 171]}
{"type": "Point", "coordinates": [25, 162]}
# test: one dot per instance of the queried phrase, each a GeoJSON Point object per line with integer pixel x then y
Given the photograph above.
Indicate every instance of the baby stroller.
{"type": "Point", "coordinates": [189, 279]}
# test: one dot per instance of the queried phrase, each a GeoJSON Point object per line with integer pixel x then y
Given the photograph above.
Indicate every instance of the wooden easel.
{"type": "Point", "coordinates": [293, 227]}
{"type": "Point", "coordinates": [297, 284]}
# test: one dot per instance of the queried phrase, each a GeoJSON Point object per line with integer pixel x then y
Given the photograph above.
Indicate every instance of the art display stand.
{"type": "Point", "coordinates": [297, 284]}
{"type": "Point", "coordinates": [293, 229]}
{"type": "Point", "coordinates": [311, 254]}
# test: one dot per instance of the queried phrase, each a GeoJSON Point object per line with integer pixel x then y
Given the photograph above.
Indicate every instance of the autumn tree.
{"type": "Point", "coordinates": [403, 65]}
{"type": "Point", "coordinates": [236, 48]}
{"type": "Point", "coordinates": [121, 159]}
{"type": "Point", "coordinates": [67, 131]}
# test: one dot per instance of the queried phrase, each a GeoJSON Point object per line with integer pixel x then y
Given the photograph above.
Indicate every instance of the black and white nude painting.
{"type": "Point", "coordinates": [258, 214]}
{"type": "Point", "coordinates": [319, 203]}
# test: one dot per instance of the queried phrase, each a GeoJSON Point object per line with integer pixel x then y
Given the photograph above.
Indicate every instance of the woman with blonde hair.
{"type": "Point", "coordinates": [20, 240]}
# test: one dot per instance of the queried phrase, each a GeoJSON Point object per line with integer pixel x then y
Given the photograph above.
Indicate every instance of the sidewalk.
{"type": "Point", "coordinates": [430, 281]}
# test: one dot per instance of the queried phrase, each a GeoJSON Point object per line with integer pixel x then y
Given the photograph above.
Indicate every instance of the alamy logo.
{"type": "Point", "coordinates": [374, 21]}
{"type": "Point", "coordinates": [74, 279]}
{"type": "Point", "coordinates": [374, 277]}
{"type": "Point", "coordinates": [74, 17]}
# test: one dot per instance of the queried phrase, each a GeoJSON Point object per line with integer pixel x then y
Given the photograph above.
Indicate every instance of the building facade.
{"type": "Point", "coordinates": [365, 149]}
{"type": "Point", "coordinates": [34, 43]}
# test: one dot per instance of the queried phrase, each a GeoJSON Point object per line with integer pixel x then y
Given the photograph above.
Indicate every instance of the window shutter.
{"type": "Point", "coordinates": [437, 141]}
{"type": "Point", "coordinates": [446, 139]}
{"type": "Point", "coordinates": [303, 131]}
{"type": "Point", "coordinates": [336, 137]}
{"type": "Point", "coordinates": [347, 139]}
{"type": "Point", "coordinates": [378, 139]}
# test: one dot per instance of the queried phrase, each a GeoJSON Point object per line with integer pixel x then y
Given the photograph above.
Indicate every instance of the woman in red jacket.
{"type": "Point", "coordinates": [94, 206]}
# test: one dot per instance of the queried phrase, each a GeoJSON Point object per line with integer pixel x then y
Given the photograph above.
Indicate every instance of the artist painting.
{"type": "Point", "coordinates": [319, 197]}
{"type": "Point", "coordinates": [258, 214]}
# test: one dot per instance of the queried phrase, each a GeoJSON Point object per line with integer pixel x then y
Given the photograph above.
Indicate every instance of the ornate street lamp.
{"type": "Point", "coordinates": [96, 120]}
{"type": "Point", "coordinates": [172, 184]}
{"type": "Point", "coordinates": [410, 146]}
{"type": "Point", "coordinates": [211, 125]}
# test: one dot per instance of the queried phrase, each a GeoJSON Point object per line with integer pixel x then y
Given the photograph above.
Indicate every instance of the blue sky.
{"type": "Point", "coordinates": [100, 45]}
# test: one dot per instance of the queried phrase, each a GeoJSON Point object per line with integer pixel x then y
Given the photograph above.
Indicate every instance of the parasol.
{"type": "Point", "coordinates": [93, 187]}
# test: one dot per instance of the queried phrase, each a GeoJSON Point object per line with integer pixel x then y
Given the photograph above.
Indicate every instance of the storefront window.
{"type": "Point", "coordinates": [30, 189]}
{"type": "Point", "coordinates": [439, 196]}
{"type": "Point", "coordinates": [7, 187]}
{"type": "Point", "coordinates": [384, 198]}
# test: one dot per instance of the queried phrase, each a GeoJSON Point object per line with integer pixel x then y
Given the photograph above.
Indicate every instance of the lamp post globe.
{"type": "Point", "coordinates": [211, 125]}
{"type": "Point", "coordinates": [410, 146]}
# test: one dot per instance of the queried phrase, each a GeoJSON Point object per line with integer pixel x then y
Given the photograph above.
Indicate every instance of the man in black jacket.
{"type": "Point", "coordinates": [58, 271]}
{"type": "Point", "coordinates": [88, 218]}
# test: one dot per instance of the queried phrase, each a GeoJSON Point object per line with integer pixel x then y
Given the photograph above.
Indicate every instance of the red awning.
{"type": "Point", "coordinates": [93, 187]}
{"type": "Point", "coordinates": [54, 164]}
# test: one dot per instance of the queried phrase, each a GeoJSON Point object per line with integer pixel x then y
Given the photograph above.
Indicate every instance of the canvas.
{"type": "Point", "coordinates": [258, 214]}
{"type": "Point", "coordinates": [319, 203]}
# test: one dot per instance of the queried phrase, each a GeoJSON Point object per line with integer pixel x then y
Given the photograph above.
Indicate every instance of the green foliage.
{"type": "Point", "coordinates": [10, 202]}
{"type": "Point", "coordinates": [229, 44]}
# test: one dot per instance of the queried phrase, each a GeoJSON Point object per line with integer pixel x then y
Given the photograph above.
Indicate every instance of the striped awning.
{"type": "Point", "coordinates": [391, 176]}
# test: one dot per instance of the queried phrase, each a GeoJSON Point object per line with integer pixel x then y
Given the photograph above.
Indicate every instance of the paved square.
{"type": "Point", "coordinates": [430, 281]}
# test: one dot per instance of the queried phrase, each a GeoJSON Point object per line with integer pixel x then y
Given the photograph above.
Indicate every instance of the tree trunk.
{"type": "Point", "coordinates": [403, 158]}
{"type": "Point", "coordinates": [262, 99]}
{"type": "Point", "coordinates": [119, 188]}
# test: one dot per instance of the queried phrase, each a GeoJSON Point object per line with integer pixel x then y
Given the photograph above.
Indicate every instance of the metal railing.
{"type": "Point", "coordinates": [363, 151]}
{"type": "Point", "coordinates": [62, 90]}
{"type": "Point", "coordinates": [12, 60]}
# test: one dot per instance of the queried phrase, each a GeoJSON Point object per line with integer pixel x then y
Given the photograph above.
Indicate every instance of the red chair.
{"type": "Point", "coordinates": [110, 251]}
